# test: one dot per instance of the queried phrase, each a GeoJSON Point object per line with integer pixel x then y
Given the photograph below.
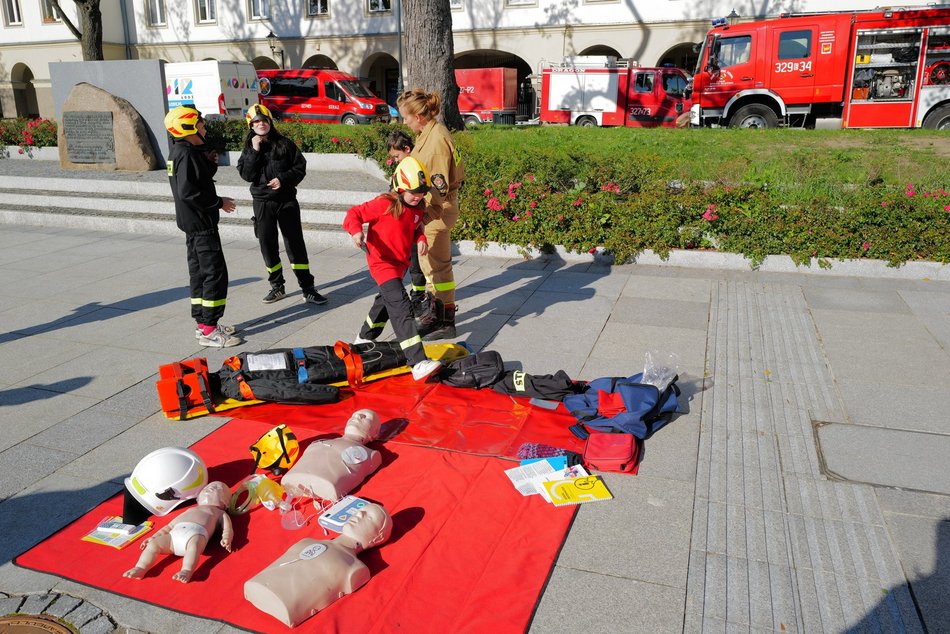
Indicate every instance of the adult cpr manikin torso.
{"type": "Point", "coordinates": [313, 573]}
{"type": "Point", "coordinates": [329, 469]}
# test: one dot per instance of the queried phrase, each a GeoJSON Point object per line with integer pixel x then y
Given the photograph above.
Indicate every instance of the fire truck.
{"type": "Point", "coordinates": [881, 68]}
{"type": "Point", "coordinates": [606, 91]}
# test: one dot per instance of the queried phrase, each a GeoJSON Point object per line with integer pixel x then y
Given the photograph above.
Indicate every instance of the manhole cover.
{"type": "Point", "coordinates": [31, 625]}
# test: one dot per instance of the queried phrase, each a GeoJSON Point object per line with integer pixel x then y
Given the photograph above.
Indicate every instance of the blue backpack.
{"type": "Point", "coordinates": [629, 406]}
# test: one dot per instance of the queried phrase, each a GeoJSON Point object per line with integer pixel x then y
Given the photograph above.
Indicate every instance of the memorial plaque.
{"type": "Point", "coordinates": [89, 137]}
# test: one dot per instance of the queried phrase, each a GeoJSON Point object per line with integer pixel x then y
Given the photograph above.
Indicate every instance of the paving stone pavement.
{"type": "Point", "coordinates": [734, 523]}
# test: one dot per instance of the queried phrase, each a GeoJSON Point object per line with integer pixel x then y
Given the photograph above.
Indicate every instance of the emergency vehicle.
{"type": "Point", "coordinates": [218, 89]}
{"type": "Point", "coordinates": [881, 68]}
{"type": "Point", "coordinates": [319, 95]}
{"type": "Point", "coordinates": [487, 94]}
{"type": "Point", "coordinates": [606, 91]}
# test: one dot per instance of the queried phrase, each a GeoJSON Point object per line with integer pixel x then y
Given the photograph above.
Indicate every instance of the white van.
{"type": "Point", "coordinates": [218, 89]}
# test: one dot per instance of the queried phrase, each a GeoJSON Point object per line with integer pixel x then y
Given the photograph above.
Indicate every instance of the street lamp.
{"type": "Point", "coordinates": [272, 43]}
{"type": "Point", "coordinates": [733, 18]}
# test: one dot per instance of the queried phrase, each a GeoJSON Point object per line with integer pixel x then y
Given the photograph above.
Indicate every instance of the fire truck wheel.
{"type": "Point", "coordinates": [471, 121]}
{"type": "Point", "coordinates": [586, 122]}
{"type": "Point", "coordinates": [939, 119]}
{"type": "Point", "coordinates": [754, 115]}
{"type": "Point", "coordinates": [348, 119]}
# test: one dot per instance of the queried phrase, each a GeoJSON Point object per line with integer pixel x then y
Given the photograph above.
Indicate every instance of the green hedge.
{"type": "Point", "coordinates": [882, 194]}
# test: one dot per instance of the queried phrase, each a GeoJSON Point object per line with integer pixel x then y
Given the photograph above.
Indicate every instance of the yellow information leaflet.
{"type": "Point", "coordinates": [112, 532]}
{"type": "Point", "coordinates": [577, 490]}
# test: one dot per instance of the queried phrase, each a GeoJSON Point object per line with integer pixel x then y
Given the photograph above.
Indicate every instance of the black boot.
{"type": "Point", "coordinates": [431, 318]}
{"type": "Point", "coordinates": [446, 330]}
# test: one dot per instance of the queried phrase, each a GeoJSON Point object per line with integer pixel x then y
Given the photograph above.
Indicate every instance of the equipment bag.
{"type": "Point", "coordinates": [611, 452]}
{"type": "Point", "coordinates": [623, 405]}
{"type": "Point", "coordinates": [184, 388]}
{"type": "Point", "coordinates": [475, 371]}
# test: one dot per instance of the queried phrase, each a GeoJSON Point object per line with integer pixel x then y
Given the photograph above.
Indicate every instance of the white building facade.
{"type": "Point", "coordinates": [363, 37]}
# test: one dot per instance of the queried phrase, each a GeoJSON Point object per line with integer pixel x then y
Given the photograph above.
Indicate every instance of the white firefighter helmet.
{"type": "Point", "coordinates": [167, 477]}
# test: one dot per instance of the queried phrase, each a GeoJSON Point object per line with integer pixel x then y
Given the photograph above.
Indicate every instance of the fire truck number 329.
{"type": "Point", "coordinates": [793, 67]}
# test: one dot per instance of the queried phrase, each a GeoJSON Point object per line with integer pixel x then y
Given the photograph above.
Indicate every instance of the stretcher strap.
{"type": "Point", "coordinates": [353, 362]}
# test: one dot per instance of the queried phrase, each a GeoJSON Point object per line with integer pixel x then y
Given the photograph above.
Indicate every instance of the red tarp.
{"type": "Point", "coordinates": [474, 421]}
{"type": "Point", "coordinates": [467, 554]}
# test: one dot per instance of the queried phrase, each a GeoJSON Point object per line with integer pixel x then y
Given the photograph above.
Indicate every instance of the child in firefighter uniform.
{"type": "Point", "coordinates": [191, 170]}
{"type": "Point", "coordinates": [274, 166]}
{"type": "Point", "coordinates": [395, 227]}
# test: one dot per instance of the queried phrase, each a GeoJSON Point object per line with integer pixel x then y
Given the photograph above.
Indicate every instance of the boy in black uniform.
{"type": "Point", "coordinates": [197, 204]}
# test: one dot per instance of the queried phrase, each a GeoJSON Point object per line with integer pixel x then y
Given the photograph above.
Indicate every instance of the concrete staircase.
{"type": "Point", "coordinates": [142, 203]}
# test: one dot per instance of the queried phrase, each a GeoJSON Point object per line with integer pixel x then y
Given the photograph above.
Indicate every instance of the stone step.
{"type": "Point", "coordinates": [230, 227]}
{"type": "Point", "coordinates": [16, 186]}
{"type": "Point", "coordinates": [156, 206]}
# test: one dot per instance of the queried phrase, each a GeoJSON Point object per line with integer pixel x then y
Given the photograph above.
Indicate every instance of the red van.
{"type": "Point", "coordinates": [319, 95]}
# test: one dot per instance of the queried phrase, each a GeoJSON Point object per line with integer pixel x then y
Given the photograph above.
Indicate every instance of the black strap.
{"type": "Point", "coordinates": [579, 430]}
{"type": "Point", "coordinates": [205, 392]}
{"type": "Point", "coordinates": [182, 399]}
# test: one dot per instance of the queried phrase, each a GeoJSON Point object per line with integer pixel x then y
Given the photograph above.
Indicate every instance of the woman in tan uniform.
{"type": "Point", "coordinates": [436, 150]}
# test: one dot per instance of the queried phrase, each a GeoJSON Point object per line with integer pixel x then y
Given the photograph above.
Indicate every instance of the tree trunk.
{"type": "Point", "coordinates": [90, 17]}
{"type": "Point", "coordinates": [429, 57]}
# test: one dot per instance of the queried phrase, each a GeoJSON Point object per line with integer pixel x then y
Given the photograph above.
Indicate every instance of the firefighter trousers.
{"type": "Point", "coordinates": [437, 266]}
{"type": "Point", "coordinates": [417, 279]}
{"type": "Point", "coordinates": [207, 276]}
{"type": "Point", "coordinates": [392, 304]}
{"type": "Point", "coordinates": [271, 217]}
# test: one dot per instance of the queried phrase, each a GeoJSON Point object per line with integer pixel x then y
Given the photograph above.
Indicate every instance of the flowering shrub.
{"type": "Point", "coordinates": [28, 133]}
{"type": "Point", "coordinates": [624, 191]}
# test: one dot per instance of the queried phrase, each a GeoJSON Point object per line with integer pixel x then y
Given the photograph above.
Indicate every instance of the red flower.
{"type": "Point", "coordinates": [866, 245]}
{"type": "Point", "coordinates": [577, 203]}
{"type": "Point", "coordinates": [334, 140]}
{"type": "Point", "coordinates": [516, 218]}
{"type": "Point", "coordinates": [533, 204]}
{"type": "Point", "coordinates": [592, 250]}
{"type": "Point", "coordinates": [710, 214]}
{"type": "Point", "coordinates": [487, 192]}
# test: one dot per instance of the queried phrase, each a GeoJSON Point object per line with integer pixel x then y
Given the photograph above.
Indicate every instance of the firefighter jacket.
{"type": "Point", "coordinates": [389, 239]}
{"type": "Point", "coordinates": [436, 150]}
{"type": "Point", "coordinates": [191, 175]}
{"type": "Point", "coordinates": [278, 159]}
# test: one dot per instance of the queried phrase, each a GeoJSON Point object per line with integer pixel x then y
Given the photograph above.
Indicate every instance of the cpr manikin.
{"type": "Point", "coordinates": [329, 469]}
{"type": "Point", "coordinates": [313, 573]}
{"type": "Point", "coordinates": [188, 534]}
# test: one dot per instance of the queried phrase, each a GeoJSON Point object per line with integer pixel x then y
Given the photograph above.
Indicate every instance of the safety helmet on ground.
{"type": "Point", "coordinates": [410, 176]}
{"type": "Point", "coordinates": [277, 450]}
{"type": "Point", "coordinates": [258, 111]}
{"type": "Point", "coordinates": [182, 121]}
{"type": "Point", "coordinates": [167, 477]}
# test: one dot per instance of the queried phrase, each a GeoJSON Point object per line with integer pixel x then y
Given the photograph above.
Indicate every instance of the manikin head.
{"type": "Point", "coordinates": [363, 426]}
{"type": "Point", "coordinates": [215, 494]}
{"type": "Point", "coordinates": [369, 526]}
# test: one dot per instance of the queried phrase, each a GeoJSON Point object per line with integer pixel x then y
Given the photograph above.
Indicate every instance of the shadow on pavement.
{"type": "Point", "coordinates": [41, 391]}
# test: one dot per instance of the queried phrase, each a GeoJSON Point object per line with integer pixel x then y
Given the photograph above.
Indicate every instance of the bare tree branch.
{"type": "Point", "coordinates": [62, 16]}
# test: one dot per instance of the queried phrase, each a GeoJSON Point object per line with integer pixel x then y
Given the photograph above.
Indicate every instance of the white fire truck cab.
{"type": "Point", "coordinates": [856, 69]}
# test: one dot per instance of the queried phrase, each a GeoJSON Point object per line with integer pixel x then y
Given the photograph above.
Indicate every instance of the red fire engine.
{"type": "Point", "coordinates": [856, 69]}
{"type": "Point", "coordinates": [487, 94]}
{"type": "Point", "coordinates": [605, 91]}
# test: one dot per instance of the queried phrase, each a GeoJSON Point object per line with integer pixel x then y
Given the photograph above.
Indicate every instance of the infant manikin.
{"type": "Point", "coordinates": [329, 469]}
{"type": "Point", "coordinates": [313, 573]}
{"type": "Point", "coordinates": [187, 535]}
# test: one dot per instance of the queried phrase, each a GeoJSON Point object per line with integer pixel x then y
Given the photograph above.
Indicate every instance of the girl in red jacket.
{"type": "Point", "coordinates": [395, 227]}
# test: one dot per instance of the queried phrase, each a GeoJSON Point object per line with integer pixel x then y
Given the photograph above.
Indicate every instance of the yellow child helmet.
{"type": "Point", "coordinates": [182, 121]}
{"type": "Point", "coordinates": [410, 176]}
{"type": "Point", "coordinates": [258, 111]}
{"type": "Point", "coordinates": [276, 451]}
